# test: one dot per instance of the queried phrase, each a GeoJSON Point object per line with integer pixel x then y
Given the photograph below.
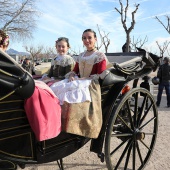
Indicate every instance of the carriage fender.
{"type": "Point", "coordinates": [107, 111]}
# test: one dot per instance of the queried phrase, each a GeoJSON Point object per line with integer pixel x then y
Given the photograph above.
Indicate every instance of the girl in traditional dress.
{"type": "Point", "coordinates": [43, 107]}
{"type": "Point", "coordinates": [61, 64]}
{"type": "Point", "coordinates": [79, 93]}
{"type": "Point", "coordinates": [91, 62]}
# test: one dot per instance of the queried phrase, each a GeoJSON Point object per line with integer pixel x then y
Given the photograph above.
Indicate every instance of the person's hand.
{"type": "Point", "coordinates": [44, 78]}
{"type": "Point", "coordinates": [71, 78]}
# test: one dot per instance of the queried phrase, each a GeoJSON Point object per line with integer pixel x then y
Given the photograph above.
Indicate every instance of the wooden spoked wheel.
{"type": "Point", "coordinates": [132, 130]}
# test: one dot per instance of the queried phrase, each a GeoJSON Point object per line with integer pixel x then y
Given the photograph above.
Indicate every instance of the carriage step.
{"type": "Point", "coordinates": [22, 166]}
{"type": "Point", "coordinates": [101, 156]}
{"type": "Point", "coordinates": [7, 165]}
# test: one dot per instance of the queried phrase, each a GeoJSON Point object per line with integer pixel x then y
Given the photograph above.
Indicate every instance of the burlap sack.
{"type": "Point", "coordinates": [84, 119]}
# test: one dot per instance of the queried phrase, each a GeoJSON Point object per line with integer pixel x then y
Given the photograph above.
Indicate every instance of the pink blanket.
{"type": "Point", "coordinates": [43, 112]}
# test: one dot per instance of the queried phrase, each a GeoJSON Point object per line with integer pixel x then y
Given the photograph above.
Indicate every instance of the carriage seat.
{"type": "Point", "coordinates": [13, 78]}
{"type": "Point", "coordinates": [120, 72]}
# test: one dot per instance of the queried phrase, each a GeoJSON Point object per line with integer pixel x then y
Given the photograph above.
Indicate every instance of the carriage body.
{"type": "Point", "coordinates": [18, 144]}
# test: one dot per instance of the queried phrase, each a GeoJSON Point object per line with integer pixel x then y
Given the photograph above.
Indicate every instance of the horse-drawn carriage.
{"type": "Point", "coordinates": [129, 128]}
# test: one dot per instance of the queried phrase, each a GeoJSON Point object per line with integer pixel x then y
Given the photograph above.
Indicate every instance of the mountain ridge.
{"type": "Point", "coordinates": [15, 52]}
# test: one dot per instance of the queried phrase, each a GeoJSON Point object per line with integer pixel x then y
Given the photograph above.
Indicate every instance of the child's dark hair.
{"type": "Point", "coordinates": [90, 30]}
{"type": "Point", "coordinates": [4, 38]}
{"type": "Point", "coordinates": [63, 39]}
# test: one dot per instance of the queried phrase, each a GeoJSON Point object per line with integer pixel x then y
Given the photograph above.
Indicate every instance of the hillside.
{"type": "Point", "coordinates": [15, 52]}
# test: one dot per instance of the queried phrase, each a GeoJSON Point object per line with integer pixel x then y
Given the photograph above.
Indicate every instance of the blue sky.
{"type": "Point", "coordinates": [70, 18]}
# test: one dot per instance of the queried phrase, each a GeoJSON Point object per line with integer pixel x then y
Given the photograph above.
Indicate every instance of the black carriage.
{"type": "Point", "coordinates": [130, 119]}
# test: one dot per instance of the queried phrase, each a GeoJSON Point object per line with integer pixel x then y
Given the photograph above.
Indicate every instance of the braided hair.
{"type": "Point", "coordinates": [4, 39]}
{"type": "Point", "coordinates": [63, 39]}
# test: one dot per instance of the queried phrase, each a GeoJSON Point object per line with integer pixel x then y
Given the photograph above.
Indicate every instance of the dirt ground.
{"type": "Point", "coordinates": [83, 159]}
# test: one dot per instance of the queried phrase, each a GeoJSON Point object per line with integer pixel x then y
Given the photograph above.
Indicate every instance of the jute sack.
{"type": "Point", "coordinates": [84, 119]}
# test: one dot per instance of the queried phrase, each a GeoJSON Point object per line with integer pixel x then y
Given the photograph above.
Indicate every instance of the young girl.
{"type": "Point", "coordinates": [81, 98]}
{"type": "Point", "coordinates": [61, 64]}
{"type": "Point", "coordinates": [43, 107]}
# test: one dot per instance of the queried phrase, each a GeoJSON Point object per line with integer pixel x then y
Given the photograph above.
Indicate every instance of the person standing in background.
{"type": "Point", "coordinates": [164, 76]}
{"type": "Point", "coordinates": [27, 65]}
{"type": "Point", "coordinates": [124, 48]}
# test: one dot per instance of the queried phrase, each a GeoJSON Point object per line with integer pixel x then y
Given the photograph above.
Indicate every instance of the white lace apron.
{"type": "Point", "coordinates": [76, 91]}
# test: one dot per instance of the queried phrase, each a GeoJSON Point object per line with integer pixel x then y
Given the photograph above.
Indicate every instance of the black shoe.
{"type": "Point", "coordinates": [157, 105]}
{"type": "Point", "coordinates": [168, 106]}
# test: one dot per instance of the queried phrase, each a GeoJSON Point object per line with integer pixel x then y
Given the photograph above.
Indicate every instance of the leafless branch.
{"type": "Point", "coordinates": [123, 14]}
{"type": "Point", "coordinates": [104, 40]}
{"type": "Point", "coordinates": [138, 42]}
{"type": "Point", "coordinates": [167, 28]}
{"type": "Point", "coordinates": [34, 51]}
{"type": "Point", "coordinates": [18, 18]}
{"type": "Point", "coordinates": [163, 48]}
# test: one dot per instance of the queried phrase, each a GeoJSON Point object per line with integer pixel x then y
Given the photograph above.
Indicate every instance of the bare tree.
{"type": "Point", "coordinates": [168, 51]}
{"type": "Point", "coordinates": [75, 51]}
{"type": "Point", "coordinates": [138, 42]}
{"type": "Point", "coordinates": [34, 51]}
{"type": "Point", "coordinates": [104, 40]}
{"type": "Point", "coordinates": [49, 52]}
{"type": "Point", "coordinates": [123, 13]}
{"type": "Point", "coordinates": [167, 28]}
{"type": "Point", "coordinates": [163, 48]}
{"type": "Point", "coordinates": [18, 18]}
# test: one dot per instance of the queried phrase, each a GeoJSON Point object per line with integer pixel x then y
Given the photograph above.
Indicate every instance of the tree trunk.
{"type": "Point", "coordinates": [128, 42]}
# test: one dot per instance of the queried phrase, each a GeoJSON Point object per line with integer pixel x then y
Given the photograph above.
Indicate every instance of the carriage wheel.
{"type": "Point", "coordinates": [131, 132]}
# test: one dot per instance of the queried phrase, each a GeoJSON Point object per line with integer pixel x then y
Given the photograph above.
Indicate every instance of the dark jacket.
{"type": "Point", "coordinates": [164, 72]}
{"type": "Point", "coordinates": [27, 67]}
{"type": "Point", "coordinates": [61, 66]}
{"type": "Point", "coordinates": [59, 72]}
{"type": "Point", "coordinates": [124, 48]}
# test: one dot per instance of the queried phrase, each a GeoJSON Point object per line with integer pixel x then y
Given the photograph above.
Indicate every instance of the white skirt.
{"type": "Point", "coordinates": [76, 91]}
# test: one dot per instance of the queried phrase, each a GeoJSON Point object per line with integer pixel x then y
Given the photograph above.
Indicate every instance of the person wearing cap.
{"type": "Point", "coordinates": [164, 76]}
